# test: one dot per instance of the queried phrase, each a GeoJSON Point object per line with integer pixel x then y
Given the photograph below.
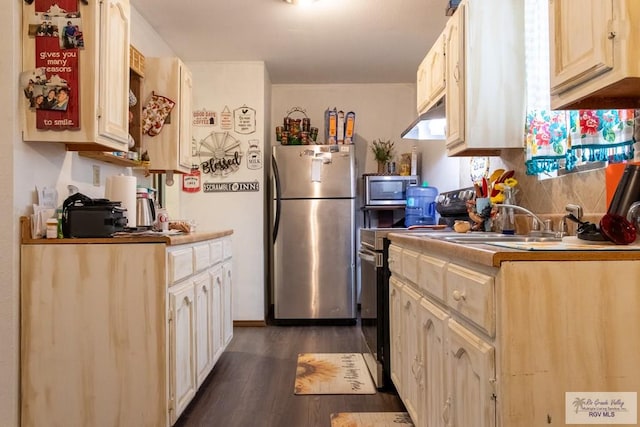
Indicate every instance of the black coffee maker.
{"type": "Point", "coordinates": [627, 191]}
{"type": "Point", "coordinates": [614, 225]}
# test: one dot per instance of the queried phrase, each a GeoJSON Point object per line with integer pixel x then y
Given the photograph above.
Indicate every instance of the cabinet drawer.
{"type": "Point", "coordinates": [410, 265]}
{"type": "Point", "coordinates": [201, 257]}
{"type": "Point", "coordinates": [216, 251]}
{"type": "Point", "coordinates": [395, 264]}
{"type": "Point", "coordinates": [471, 294]}
{"type": "Point", "coordinates": [227, 248]}
{"type": "Point", "coordinates": [431, 276]}
{"type": "Point", "coordinates": [180, 264]}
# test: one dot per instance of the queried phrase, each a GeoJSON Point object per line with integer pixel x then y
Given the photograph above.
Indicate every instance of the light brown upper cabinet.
{"type": "Point", "coordinates": [485, 78]}
{"type": "Point", "coordinates": [594, 48]}
{"type": "Point", "coordinates": [431, 77]}
{"type": "Point", "coordinates": [170, 150]}
{"type": "Point", "coordinates": [102, 73]}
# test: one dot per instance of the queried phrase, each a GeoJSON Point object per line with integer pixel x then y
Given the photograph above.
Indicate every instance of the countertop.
{"type": "Point", "coordinates": [169, 240]}
{"type": "Point", "coordinates": [493, 256]}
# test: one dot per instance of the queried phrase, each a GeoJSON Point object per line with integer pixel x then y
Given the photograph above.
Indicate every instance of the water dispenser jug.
{"type": "Point", "coordinates": [421, 205]}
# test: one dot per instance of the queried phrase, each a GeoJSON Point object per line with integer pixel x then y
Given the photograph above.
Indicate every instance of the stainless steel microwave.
{"type": "Point", "coordinates": [386, 190]}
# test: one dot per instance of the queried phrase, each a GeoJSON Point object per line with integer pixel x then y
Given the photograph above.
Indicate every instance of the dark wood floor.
{"type": "Point", "coordinates": [252, 383]}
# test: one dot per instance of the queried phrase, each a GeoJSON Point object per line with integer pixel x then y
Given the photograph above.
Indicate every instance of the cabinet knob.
{"type": "Point", "coordinates": [456, 73]}
{"type": "Point", "coordinates": [459, 295]}
{"type": "Point", "coordinates": [187, 301]}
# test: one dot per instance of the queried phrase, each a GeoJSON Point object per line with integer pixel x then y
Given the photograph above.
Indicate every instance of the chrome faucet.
{"type": "Point", "coordinates": [545, 226]}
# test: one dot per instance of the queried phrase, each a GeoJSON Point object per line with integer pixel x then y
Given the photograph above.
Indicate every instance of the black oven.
{"type": "Point", "coordinates": [374, 302]}
{"type": "Point", "coordinates": [374, 282]}
{"type": "Point", "coordinates": [452, 205]}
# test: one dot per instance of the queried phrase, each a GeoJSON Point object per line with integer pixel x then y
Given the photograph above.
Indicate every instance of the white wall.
{"type": "Point", "coordinates": [383, 111]}
{"type": "Point", "coordinates": [217, 85]}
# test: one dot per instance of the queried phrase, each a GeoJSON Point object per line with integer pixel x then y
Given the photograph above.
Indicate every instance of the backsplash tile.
{"type": "Point", "coordinates": [550, 196]}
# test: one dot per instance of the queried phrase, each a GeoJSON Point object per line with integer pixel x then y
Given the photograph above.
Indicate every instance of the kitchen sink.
{"type": "Point", "coordinates": [491, 238]}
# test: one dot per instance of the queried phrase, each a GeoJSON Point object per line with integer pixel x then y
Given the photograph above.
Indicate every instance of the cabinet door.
{"type": "Point", "coordinates": [431, 77]}
{"type": "Point", "coordinates": [170, 150]}
{"type": "Point", "coordinates": [411, 369]}
{"type": "Point", "coordinates": [395, 331]}
{"type": "Point", "coordinates": [216, 313]}
{"type": "Point", "coordinates": [113, 111]}
{"type": "Point", "coordinates": [471, 372]}
{"type": "Point", "coordinates": [204, 325]}
{"type": "Point", "coordinates": [227, 303]}
{"type": "Point", "coordinates": [432, 353]}
{"type": "Point", "coordinates": [422, 84]}
{"type": "Point", "coordinates": [186, 94]}
{"type": "Point", "coordinates": [580, 44]}
{"type": "Point", "coordinates": [182, 363]}
{"type": "Point", "coordinates": [455, 88]}
{"type": "Point", "coordinates": [437, 72]}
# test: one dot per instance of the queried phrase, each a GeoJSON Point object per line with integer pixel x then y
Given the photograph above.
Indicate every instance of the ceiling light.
{"type": "Point", "coordinates": [300, 2]}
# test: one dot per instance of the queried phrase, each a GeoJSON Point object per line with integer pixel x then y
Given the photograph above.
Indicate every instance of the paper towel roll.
{"type": "Point", "coordinates": [122, 188]}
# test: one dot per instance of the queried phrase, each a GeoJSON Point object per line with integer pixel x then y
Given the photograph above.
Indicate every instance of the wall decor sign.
{"type": "Point", "coordinates": [244, 119]}
{"type": "Point", "coordinates": [226, 119]}
{"type": "Point", "coordinates": [204, 118]}
{"type": "Point", "coordinates": [220, 154]}
{"type": "Point", "coordinates": [254, 155]}
{"type": "Point", "coordinates": [58, 34]}
{"type": "Point", "coordinates": [230, 187]}
{"type": "Point", "coordinates": [191, 181]}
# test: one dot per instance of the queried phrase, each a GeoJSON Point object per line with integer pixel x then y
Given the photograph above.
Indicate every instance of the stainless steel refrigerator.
{"type": "Point", "coordinates": [314, 232]}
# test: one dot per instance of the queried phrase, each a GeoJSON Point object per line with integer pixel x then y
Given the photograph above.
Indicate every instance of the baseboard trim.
{"type": "Point", "coordinates": [249, 323]}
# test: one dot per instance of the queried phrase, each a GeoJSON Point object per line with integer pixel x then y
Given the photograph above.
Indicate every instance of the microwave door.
{"type": "Point", "coordinates": [388, 190]}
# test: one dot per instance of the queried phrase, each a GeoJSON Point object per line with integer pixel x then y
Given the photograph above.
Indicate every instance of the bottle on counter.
{"type": "Point", "coordinates": [421, 205]}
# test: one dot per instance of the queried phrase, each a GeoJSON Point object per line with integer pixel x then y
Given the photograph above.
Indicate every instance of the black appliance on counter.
{"type": "Point", "coordinates": [452, 205]}
{"type": "Point", "coordinates": [86, 217]}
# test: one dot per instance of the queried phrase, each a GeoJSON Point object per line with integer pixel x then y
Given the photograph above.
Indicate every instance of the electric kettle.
{"type": "Point", "coordinates": [145, 211]}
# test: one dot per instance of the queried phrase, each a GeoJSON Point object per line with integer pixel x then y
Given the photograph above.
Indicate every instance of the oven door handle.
{"type": "Point", "coordinates": [367, 256]}
{"type": "Point", "coordinates": [374, 258]}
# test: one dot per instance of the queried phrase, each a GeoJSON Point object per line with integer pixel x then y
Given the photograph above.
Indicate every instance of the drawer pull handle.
{"type": "Point", "coordinates": [445, 410]}
{"type": "Point", "coordinates": [459, 296]}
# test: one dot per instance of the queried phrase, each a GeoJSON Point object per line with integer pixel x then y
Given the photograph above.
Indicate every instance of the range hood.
{"type": "Point", "coordinates": [428, 125]}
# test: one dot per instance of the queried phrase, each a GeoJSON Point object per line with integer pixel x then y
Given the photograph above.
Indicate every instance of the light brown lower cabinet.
{"type": "Point", "coordinates": [120, 334]}
{"type": "Point", "coordinates": [473, 345]}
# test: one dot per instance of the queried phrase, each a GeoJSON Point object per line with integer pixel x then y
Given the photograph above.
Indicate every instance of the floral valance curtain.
{"type": "Point", "coordinates": [557, 139]}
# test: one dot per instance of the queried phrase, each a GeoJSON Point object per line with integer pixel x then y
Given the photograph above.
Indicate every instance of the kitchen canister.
{"type": "Point", "coordinates": [122, 188]}
{"type": "Point", "coordinates": [52, 228]}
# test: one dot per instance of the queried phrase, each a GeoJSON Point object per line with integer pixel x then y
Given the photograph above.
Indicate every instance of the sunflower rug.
{"type": "Point", "coordinates": [333, 373]}
{"type": "Point", "coordinates": [371, 419]}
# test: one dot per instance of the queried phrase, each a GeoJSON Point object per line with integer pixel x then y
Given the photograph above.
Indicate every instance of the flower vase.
{"type": "Point", "coordinates": [382, 167]}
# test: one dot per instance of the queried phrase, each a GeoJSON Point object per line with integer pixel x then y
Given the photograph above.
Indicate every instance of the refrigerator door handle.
{"type": "Point", "coordinates": [276, 177]}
